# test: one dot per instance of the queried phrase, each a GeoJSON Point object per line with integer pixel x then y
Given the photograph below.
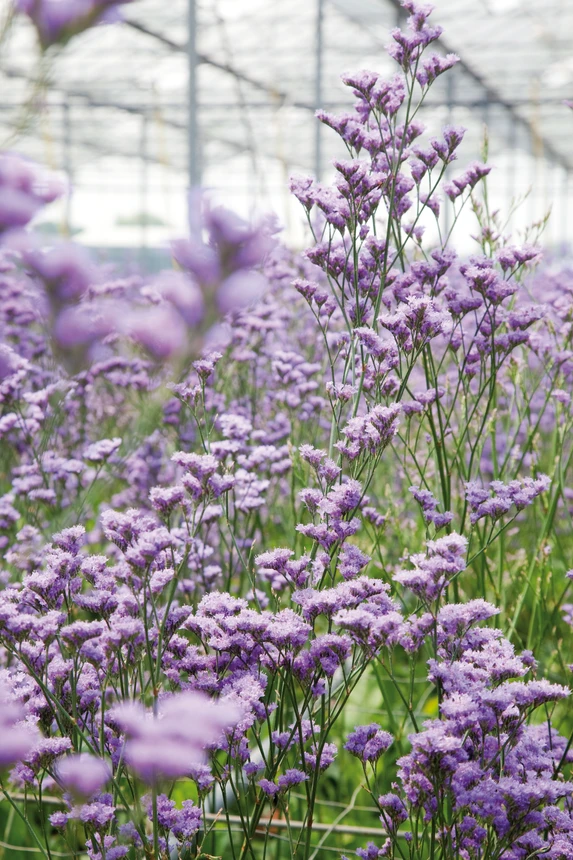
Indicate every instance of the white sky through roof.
{"type": "Point", "coordinates": [115, 116]}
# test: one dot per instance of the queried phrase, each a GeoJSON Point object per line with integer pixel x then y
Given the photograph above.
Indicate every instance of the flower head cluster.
{"type": "Point", "coordinates": [497, 770]}
{"type": "Point", "coordinates": [429, 506]}
{"type": "Point", "coordinates": [433, 570]}
{"type": "Point", "coordinates": [500, 497]}
{"type": "Point", "coordinates": [368, 742]}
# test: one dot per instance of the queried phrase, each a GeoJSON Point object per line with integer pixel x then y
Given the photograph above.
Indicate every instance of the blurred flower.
{"type": "Point", "coordinates": [10, 362]}
{"type": "Point", "coordinates": [65, 269]}
{"type": "Point", "coordinates": [239, 290]}
{"type": "Point", "coordinates": [159, 329]}
{"type": "Point", "coordinates": [16, 740]}
{"type": "Point", "coordinates": [83, 774]}
{"type": "Point", "coordinates": [173, 742]}
{"type": "Point", "coordinates": [24, 189]}
{"type": "Point", "coordinates": [57, 21]}
{"type": "Point", "coordinates": [183, 293]}
{"type": "Point", "coordinates": [222, 253]}
{"type": "Point", "coordinates": [83, 324]}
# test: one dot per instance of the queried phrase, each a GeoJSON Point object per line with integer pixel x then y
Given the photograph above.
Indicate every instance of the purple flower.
{"type": "Point", "coordinates": [291, 777]}
{"type": "Point", "coordinates": [166, 499]}
{"type": "Point", "coordinates": [60, 20]}
{"type": "Point", "coordinates": [417, 321]}
{"type": "Point", "coordinates": [188, 820]}
{"type": "Point", "coordinates": [351, 561]}
{"type": "Point", "coordinates": [371, 432]}
{"type": "Point", "coordinates": [172, 743]}
{"type": "Point", "coordinates": [85, 323]}
{"type": "Point", "coordinates": [393, 810]}
{"type": "Point", "coordinates": [371, 852]}
{"type": "Point", "coordinates": [227, 259]}
{"type": "Point", "coordinates": [368, 742]}
{"type": "Point", "coordinates": [59, 819]}
{"type": "Point", "coordinates": [183, 293]}
{"type": "Point", "coordinates": [431, 67]}
{"type": "Point", "coordinates": [102, 450]}
{"type": "Point", "coordinates": [429, 505]}
{"type": "Point", "coordinates": [46, 751]}
{"type": "Point", "coordinates": [83, 774]}
{"type": "Point", "coordinates": [24, 189]}
{"type": "Point", "coordinates": [70, 539]}
{"type": "Point", "coordinates": [17, 739]}
{"type": "Point", "coordinates": [66, 269]}
{"type": "Point", "coordinates": [445, 558]}
{"type": "Point", "coordinates": [329, 651]}
{"type": "Point", "coordinates": [80, 631]}
{"type": "Point", "coordinates": [158, 329]}
{"type": "Point", "coordinates": [239, 290]}
{"type": "Point", "coordinates": [501, 497]}
{"type": "Point", "coordinates": [270, 788]}
{"type": "Point", "coordinates": [99, 814]}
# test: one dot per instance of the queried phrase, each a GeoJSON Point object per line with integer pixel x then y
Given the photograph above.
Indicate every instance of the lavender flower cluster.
{"type": "Point", "coordinates": [312, 560]}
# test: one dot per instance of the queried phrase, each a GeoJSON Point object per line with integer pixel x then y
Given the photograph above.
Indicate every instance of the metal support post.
{"type": "Point", "coordinates": [67, 166]}
{"type": "Point", "coordinates": [193, 163]}
{"type": "Point", "coordinates": [143, 180]}
{"type": "Point", "coordinates": [319, 49]}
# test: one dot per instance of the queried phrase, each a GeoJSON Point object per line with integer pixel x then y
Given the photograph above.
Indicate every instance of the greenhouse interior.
{"type": "Point", "coordinates": [286, 429]}
{"type": "Point", "coordinates": [223, 94]}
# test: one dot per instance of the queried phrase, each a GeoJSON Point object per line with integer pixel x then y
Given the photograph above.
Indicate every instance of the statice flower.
{"type": "Point", "coordinates": [45, 752]}
{"type": "Point", "coordinates": [368, 742]}
{"type": "Point", "coordinates": [173, 742]}
{"type": "Point", "coordinates": [351, 561]}
{"type": "Point", "coordinates": [429, 506]}
{"type": "Point", "coordinates": [182, 823]}
{"type": "Point", "coordinates": [431, 67]}
{"type": "Point", "coordinates": [101, 451]}
{"type": "Point", "coordinates": [83, 774]}
{"type": "Point", "coordinates": [24, 189]}
{"type": "Point", "coordinates": [455, 619]}
{"type": "Point", "coordinates": [416, 322]}
{"type": "Point", "coordinates": [57, 22]}
{"type": "Point", "coordinates": [319, 758]}
{"type": "Point", "coordinates": [497, 770]}
{"type": "Point", "coordinates": [371, 852]}
{"type": "Point", "coordinates": [269, 787]}
{"type": "Point", "coordinates": [473, 174]}
{"type": "Point", "coordinates": [290, 778]}
{"type": "Point", "coordinates": [277, 565]}
{"type": "Point", "coordinates": [345, 595]}
{"type": "Point", "coordinates": [178, 290]}
{"type": "Point", "coordinates": [500, 497]}
{"type": "Point", "coordinates": [227, 260]}
{"type": "Point", "coordinates": [18, 739]}
{"type": "Point", "coordinates": [329, 651]}
{"type": "Point", "coordinates": [166, 499]}
{"type": "Point", "coordinates": [444, 559]}
{"type": "Point", "coordinates": [182, 633]}
{"type": "Point", "coordinates": [394, 811]}
{"type": "Point", "coordinates": [65, 269]}
{"type": "Point", "coordinates": [371, 432]}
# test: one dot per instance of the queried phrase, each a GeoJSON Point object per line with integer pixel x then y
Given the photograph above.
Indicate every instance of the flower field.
{"type": "Point", "coordinates": [287, 537]}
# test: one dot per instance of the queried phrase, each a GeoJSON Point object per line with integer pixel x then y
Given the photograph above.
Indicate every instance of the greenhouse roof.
{"type": "Point", "coordinates": [119, 95]}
